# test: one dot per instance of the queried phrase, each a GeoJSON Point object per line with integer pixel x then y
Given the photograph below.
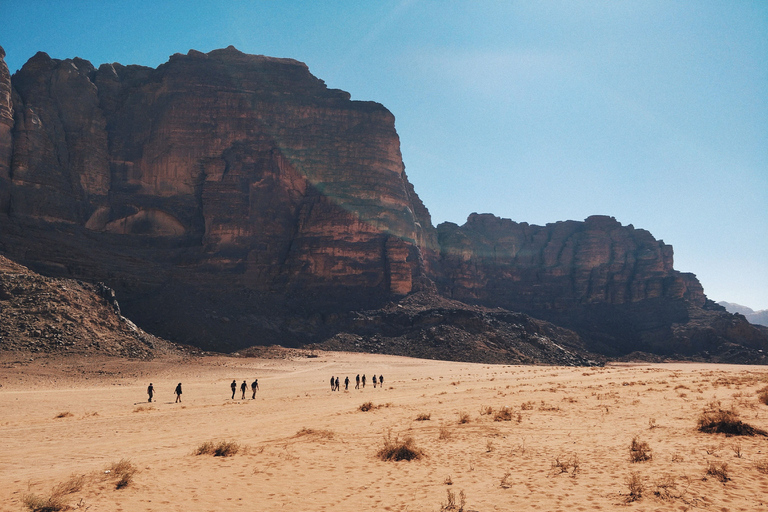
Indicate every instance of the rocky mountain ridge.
{"type": "Point", "coordinates": [234, 200]}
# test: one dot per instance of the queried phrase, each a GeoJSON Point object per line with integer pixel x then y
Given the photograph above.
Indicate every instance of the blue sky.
{"type": "Point", "coordinates": [654, 112]}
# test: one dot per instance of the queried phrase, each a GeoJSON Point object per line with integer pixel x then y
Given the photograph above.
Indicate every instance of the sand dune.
{"type": "Point", "coordinates": [304, 447]}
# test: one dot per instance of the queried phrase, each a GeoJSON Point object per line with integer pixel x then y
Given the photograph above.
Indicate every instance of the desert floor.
{"type": "Point", "coordinates": [64, 422]}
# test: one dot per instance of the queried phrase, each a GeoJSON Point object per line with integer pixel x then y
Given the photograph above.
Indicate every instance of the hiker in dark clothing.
{"type": "Point", "coordinates": [243, 387]}
{"type": "Point", "coordinates": [337, 383]}
{"type": "Point", "coordinates": [150, 391]}
{"type": "Point", "coordinates": [346, 383]}
{"type": "Point", "coordinates": [357, 381]}
{"type": "Point", "coordinates": [178, 393]}
{"type": "Point", "coordinates": [234, 388]}
{"type": "Point", "coordinates": [363, 381]}
{"type": "Point", "coordinates": [381, 380]}
{"type": "Point", "coordinates": [333, 384]}
{"type": "Point", "coordinates": [374, 381]}
{"type": "Point", "coordinates": [254, 387]}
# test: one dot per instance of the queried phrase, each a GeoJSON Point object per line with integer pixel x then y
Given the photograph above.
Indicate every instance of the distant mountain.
{"type": "Point", "coordinates": [754, 317]}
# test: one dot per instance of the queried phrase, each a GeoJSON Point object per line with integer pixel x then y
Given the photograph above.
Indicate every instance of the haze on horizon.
{"type": "Point", "coordinates": [653, 112]}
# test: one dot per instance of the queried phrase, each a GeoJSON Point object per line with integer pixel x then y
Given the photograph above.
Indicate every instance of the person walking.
{"type": "Point", "coordinates": [357, 381]}
{"type": "Point", "coordinates": [346, 383]}
{"type": "Point", "coordinates": [178, 393]}
{"type": "Point", "coordinates": [363, 381]}
{"type": "Point", "coordinates": [337, 383]}
{"type": "Point", "coordinates": [381, 381]}
{"type": "Point", "coordinates": [234, 388]}
{"type": "Point", "coordinates": [374, 381]}
{"type": "Point", "coordinates": [243, 387]}
{"type": "Point", "coordinates": [254, 387]}
{"type": "Point", "coordinates": [333, 384]}
{"type": "Point", "coordinates": [150, 391]}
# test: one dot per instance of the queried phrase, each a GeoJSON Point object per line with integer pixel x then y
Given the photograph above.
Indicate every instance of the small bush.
{"type": "Point", "coordinates": [563, 464]}
{"type": "Point", "coordinates": [325, 434]}
{"type": "Point", "coordinates": [451, 504]}
{"type": "Point", "coordinates": [721, 421]}
{"type": "Point", "coordinates": [123, 471]}
{"type": "Point", "coordinates": [72, 485]}
{"type": "Point", "coordinates": [666, 488]}
{"type": "Point", "coordinates": [639, 451]}
{"type": "Point", "coordinates": [486, 410]}
{"type": "Point", "coordinates": [463, 417]}
{"type": "Point", "coordinates": [395, 449]}
{"type": "Point", "coordinates": [220, 449]}
{"type": "Point", "coordinates": [65, 414]}
{"type": "Point", "coordinates": [636, 486]}
{"type": "Point", "coordinates": [503, 414]}
{"type": "Point", "coordinates": [719, 470]}
{"type": "Point", "coordinates": [35, 503]}
{"type": "Point", "coordinates": [505, 483]}
{"type": "Point", "coordinates": [423, 416]}
{"type": "Point", "coordinates": [445, 433]}
{"type": "Point", "coordinates": [367, 406]}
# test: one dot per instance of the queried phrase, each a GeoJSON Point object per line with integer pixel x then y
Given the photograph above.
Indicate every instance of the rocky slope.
{"type": "Point", "coordinates": [234, 200]}
{"type": "Point", "coordinates": [752, 316]}
{"type": "Point", "coordinates": [41, 315]}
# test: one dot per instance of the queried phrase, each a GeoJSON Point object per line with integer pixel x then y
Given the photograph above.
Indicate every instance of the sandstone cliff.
{"type": "Point", "coordinates": [234, 200]}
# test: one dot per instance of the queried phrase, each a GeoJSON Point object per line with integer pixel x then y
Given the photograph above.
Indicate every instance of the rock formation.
{"type": "Point", "coordinates": [234, 200]}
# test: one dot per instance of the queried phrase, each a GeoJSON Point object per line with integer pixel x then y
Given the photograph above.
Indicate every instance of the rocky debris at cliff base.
{"type": "Point", "coordinates": [41, 315]}
{"type": "Point", "coordinates": [428, 326]}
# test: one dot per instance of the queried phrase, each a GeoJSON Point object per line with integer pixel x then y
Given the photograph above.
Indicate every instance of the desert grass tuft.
{"type": "Point", "coordinates": [123, 470]}
{"type": "Point", "coordinates": [503, 414]}
{"type": "Point", "coordinates": [73, 484]}
{"type": "Point", "coordinates": [451, 505]}
{"type": "Point", "coordinates": [719, 470]}
{"type": "Point", "coordinates": [463, 417]}
{"type": "Point", "coordinates": [636, 486]}
{"type": "Point", "coordinates": [715, 420]}
{"type": "Point", "coordinates": [35, 503]}
{"type": "Point", "coordinates": [367, 406]}
{"type": "Point", "coordinates": [444, 433]}
{"type": "Point", "coordinates": [639, 451]}
{"type": "Point", "coordinates": [564, 464]}
{"type": "Point", "coordinates": [218, 449]}
{"type": "Point", "coordinates": [424, 416]}
{"type": "Point", "coordinates": [666, 488]}
{"type": "Point", "coordinates": [324, 434]}
{"type": "Point", "coordinates": [397, 449]}
{"type": "Point", "coordinates": [65, 414]}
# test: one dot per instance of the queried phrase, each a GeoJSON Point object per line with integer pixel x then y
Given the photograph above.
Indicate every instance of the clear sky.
{"type": "Point", "coordinates": [654, 112]}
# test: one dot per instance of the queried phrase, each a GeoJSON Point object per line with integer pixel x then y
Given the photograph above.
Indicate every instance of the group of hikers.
{"type": "Point", "coordinates": [255, 386]}
{"type": "Point", "coordinates": [244, 387]}
{"type": "Point", "coordinates": [376, 380]}
{"type": "Point", "coordinates": [151, 392]}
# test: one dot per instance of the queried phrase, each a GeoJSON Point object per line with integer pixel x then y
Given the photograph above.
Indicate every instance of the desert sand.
{"type": "Point", "coordinates": [566, 446]}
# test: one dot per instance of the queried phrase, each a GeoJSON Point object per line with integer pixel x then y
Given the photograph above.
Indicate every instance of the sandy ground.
{"type": "Point", "coordinates": [304, 447]}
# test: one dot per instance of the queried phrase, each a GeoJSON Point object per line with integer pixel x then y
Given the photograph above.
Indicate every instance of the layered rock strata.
{"type": "Point", "coordinates": [235, 200]}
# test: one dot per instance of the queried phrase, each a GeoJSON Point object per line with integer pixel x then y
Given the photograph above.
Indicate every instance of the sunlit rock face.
{"type": "Point", "coordinates": [256, 160]}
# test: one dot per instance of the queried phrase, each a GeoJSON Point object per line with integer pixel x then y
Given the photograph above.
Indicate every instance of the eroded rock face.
{"type": "Point", "coordinates": [250, 159]}
{"type": "Point", "coordinates": [234, 200]}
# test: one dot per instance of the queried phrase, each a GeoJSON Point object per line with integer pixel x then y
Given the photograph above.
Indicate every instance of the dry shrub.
{"type": "Point", "coordinates": [564, 464]}
{"type": "Point", "coordinates": [666, 488]}
{"type": "Point", "coordinates": [636, 486]}
{"type": "Point", "coordinates": [451, 503]}
{"type": "Point", "coordinates": [65, 414]}
{"type": "Point", "coordinates": [505, 483]}
{"type": "Point", "coordinates": [719, 470]}
{"type": "Point", "coordinates": [503, 414]}
{"type": "Point", "coordinates": [639, 451]}
{"type": "Point", "coordinates": [220, 449]}
{"type": "Point", "coordinates": [73, 484]}
{"type": "Point", "coordinates": [396, 449]}
{"type": "Point", "coordinates": [424, 416]}
{"type": "Point", "coordinates": [445, 433]}
{"type": "Point", "coordinates": [448, 480]}
{"type": "Point", "coordinates": [463, 417]}
{"type": "Point", "coordinates": [527, 406]}
{"type": "Point", "coordinates": [324, 434]}
{"type": "Point", "coordinates": [715, 420]}
{"type": "Point", "coordinates": [123, 471]}
{"type": "Point", "coordinates": [35, 503]}
{"type": "Point", "coordinates": [486, 410]}
{"type": "Point", "coordinates": [367, 406]}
